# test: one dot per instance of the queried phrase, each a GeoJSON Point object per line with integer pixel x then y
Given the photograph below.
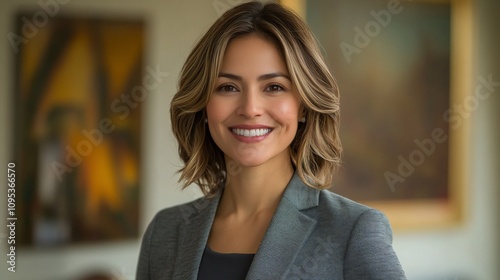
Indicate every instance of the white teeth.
{"type": "Point", "coordinates": [251, 132]}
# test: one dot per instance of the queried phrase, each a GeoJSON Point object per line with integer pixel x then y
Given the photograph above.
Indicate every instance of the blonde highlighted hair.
{"type": "Point", "coordinates": [316, 149]}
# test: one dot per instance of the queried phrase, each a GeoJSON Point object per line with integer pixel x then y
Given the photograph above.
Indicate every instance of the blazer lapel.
{"type": "Point", "coordinates": [287, 232]}
{"type": "Point", "coordinates": [194, 231]}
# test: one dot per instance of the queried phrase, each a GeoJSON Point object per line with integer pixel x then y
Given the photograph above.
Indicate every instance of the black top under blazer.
{"type": "Point", "coordinates": [314, 234]}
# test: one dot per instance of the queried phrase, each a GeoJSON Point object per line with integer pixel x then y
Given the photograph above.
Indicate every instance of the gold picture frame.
{"type": "Point", "coordinates": [418, 213]}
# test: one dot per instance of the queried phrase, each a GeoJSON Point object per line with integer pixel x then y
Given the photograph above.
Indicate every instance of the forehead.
{"type": "Point", "coordinates": [252, 54]}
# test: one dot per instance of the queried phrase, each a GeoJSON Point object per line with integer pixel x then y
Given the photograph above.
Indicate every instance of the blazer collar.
{"type": "Point", "coordinates": [300, 195]}
{"type": "Point", "coordinates": [193, 235]}
{"type": "Point", "coordinates": [287, 232]}
{"type": "Point", "coordinates": [285, 236]}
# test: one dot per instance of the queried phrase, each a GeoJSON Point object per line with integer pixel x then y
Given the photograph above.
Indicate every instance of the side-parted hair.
{"type": "Point", "coordinates": [316, 149]}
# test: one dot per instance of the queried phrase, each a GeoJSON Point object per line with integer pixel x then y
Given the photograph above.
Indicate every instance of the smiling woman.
{"type": "Point", "coordinates": [253, 114]}
{"type": "Point", "coordinates": [256, 118]}
{"type": "Point", "coordinates": [315, 152]}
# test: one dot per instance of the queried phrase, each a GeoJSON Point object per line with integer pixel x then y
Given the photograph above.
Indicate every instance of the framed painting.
{"type": "Point", "coordinates": [77, 134]}
{"type": "Point", "coordinates": [402, 66]}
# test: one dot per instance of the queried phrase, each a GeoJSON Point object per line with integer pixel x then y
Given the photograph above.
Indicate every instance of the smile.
{"type": "Point", "coordinates": [251, 132]}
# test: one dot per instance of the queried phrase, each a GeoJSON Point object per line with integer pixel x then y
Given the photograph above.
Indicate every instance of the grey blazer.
{"type": "Point", "coordinates": [313, 235]}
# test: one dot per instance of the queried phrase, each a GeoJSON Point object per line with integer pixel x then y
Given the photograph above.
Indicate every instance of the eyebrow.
{"type": "Point", "coordinates": [260, 78]}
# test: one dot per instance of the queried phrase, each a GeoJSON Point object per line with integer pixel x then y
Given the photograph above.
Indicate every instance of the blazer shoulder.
{"type": "Point", "coordinates": [334, 203]}
{"type": "Point", "coordinates": [367, 236]}
{"type": "Point", "coordinates": [342, 215]}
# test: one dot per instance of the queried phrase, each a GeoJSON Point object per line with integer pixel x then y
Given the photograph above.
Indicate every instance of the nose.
{"type": "Point", "coordinates": [251, 104]}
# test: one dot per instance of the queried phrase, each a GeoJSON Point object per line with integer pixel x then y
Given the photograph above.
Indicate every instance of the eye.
{"type": "Point", "coordinates": [227, 88]}
{"type": "Point", "coordinates": [274, 88]}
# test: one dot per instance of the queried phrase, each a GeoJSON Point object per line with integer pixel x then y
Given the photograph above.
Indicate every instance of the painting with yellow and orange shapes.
{"type": "Point", "coordinates": [78, 130]}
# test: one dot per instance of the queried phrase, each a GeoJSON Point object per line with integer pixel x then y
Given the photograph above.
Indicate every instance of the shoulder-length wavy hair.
{"type": "Point", "coordinates": [316, 149]}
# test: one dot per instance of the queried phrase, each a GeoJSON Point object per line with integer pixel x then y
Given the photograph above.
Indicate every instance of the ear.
{"type": "Point", "coordinates": [302, 114]}
{"type": "Point", "coordinates": [204, 115]}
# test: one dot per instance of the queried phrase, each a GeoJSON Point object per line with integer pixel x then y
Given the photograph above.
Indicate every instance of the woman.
{"type": "Point", "coordinates": [256, 117]}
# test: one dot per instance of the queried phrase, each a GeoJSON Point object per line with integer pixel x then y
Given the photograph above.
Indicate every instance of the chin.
{"type": "Point", "coordinates": [247, 163]}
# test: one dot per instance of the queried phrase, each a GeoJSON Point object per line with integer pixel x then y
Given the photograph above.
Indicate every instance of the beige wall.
{"type": "Point", "coordinates": [173, 26]}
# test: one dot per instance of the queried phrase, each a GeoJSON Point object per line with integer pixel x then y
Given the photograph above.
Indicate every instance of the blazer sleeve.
{"type": "Point", "coordinates": [143, 270]}
{"type": "Point", "coordinates": [369, 253]}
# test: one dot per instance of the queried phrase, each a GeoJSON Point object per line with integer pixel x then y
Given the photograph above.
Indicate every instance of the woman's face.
{"type": "Point", "coordinates": [253, 112]}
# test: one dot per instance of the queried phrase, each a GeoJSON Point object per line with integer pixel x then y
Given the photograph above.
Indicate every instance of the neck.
{"type": "Point", "coordinates": [253, 190]}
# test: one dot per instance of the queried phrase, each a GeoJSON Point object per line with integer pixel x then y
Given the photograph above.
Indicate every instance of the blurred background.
{"type": "Point", "coordinates": [85, 88]}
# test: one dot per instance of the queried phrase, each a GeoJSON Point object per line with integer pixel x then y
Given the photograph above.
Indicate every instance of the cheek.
{"type": "Point", "coordinates": [215, 110]}
{"type": "Point", "coordinates": [213, 117]}
{"type": "Point", "coordinates": [286, 111]}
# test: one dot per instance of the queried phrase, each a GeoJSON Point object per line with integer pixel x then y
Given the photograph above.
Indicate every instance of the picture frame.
{"type": "Point", "coordinates": [433, 194]}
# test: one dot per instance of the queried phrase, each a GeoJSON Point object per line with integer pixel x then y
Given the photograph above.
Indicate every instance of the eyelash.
{"type": "Point", "coordinates": [224, 87]}
{"type": "Point", "coordinates": [280, 88]}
